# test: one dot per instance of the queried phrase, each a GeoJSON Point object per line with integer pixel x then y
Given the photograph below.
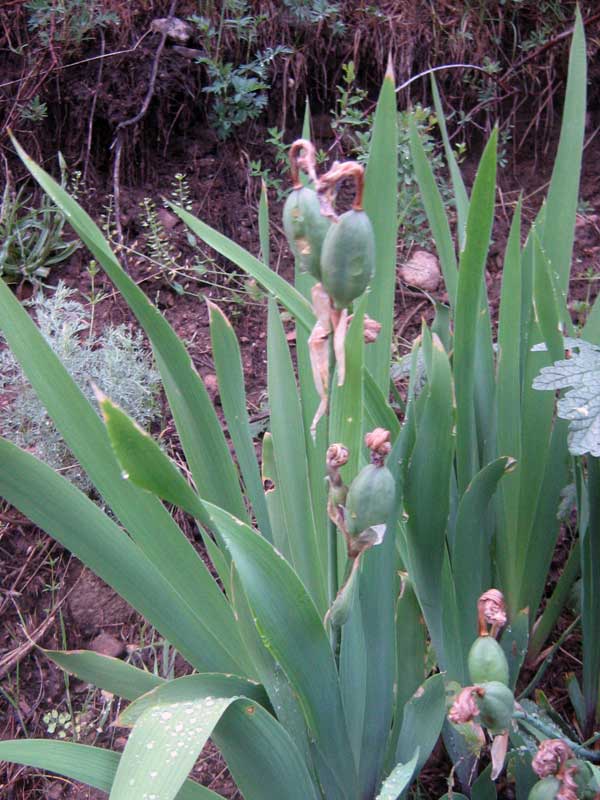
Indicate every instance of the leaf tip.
{"type": "Point", "coordinates": [389, 72]}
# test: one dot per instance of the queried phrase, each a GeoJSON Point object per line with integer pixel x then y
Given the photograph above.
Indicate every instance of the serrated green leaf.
{"type": "Point", "coordinates": [580, 374]}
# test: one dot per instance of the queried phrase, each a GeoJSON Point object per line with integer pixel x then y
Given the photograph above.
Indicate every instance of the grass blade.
{"type": "Point", "coordinates": [290, 459]}
{"type": "Point", "coordinates": [436, 214]}
{"type": "Point", "coordinates": [230, 374]}
{"type": "Point", "coordinates": [381, 204]}
{"type": "Point", "coordinates": [563, 194]}
{"type": "Point", "coordinates": [428, 477]}
{"type": "Point", "coordinates": [590, 598]}
{"type": "Point", "coordinates": [468, 304]}
{"type": "Point", "coordinates": [461, 198]}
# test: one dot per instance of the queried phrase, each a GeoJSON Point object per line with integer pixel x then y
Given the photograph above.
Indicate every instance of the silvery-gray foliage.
{"type": "Point", "coordinates": [115, 360]}
{"type": "Point", "coordinates": [580, 375]}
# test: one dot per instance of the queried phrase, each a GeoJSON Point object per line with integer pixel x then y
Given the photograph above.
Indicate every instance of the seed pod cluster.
{"type": "Point", "coordinates": [337, 250]}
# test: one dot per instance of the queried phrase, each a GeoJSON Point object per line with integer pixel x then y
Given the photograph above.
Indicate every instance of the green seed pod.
{"type": "Point", "coordinates": [370, 498]}
{"type": "Point", "coordinates": [305, 228]}
{"type": "Point", "coordinates": [487, 661]}
{"type": "Point", "coordinates": [546, 789]}
{"type": "Point", "coordinates": [348, 257]}
{"type": "Point", "coordinates": [496, 707]}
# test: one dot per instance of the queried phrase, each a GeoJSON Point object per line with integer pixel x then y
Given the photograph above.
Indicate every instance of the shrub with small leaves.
{"type": "Point", "coordinates": [115, 360]}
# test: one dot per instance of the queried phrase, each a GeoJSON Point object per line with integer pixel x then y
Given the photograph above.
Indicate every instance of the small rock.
{"type": "Point", "coordinates": [422, 271]}
{"type": "Point", "coordinates": [107, 645]}
{"type": "Point", "coordinates": [212, 386]}
{"type": "Point", "coordinates": [173, 28]}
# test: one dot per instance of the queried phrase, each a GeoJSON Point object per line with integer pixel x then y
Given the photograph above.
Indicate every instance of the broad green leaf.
{"type": "Point", "coordinates": [190, 688]}
{"type": "Point", "coordinates": [264, 761]}
{"type": "Point", "coordinates": [468, 304]}
{"type": "Point", "coordinates": [377, 411]}
{"type": "Point", "coordinates": [280, 692]}
{"type": "Point", "coordinates": [471, 562]}
{"type": "Point", "coordinates": [144, 517]}
{"type": "Point", "coordinates": [205, 447]}
{"type": "Point", "coordinates": [111, 674]}
{"type": "Point", "coordinates": [164, 745]}
{"type": "Point", "coordinates": [353, 676]}
{"type": "Point", "coordinates": [423, 718]}
{"type": "Point", "coordinates": [378, 590]}
{"type": "Point", "coordinates": [145, 465]}
{"type": "Point", "coordinates": [270, 478]}
{"type": "Point", "coordinates": [257, 749]}
{"type": "Point", "coordinates": [514, 643]}
{"type": "Point", "coordinates": [428, 477]}
{"type": "Point", "coordinates": [381, 205]}
{"type": "Point", "coordinates": [291, 463]}
{"type": "Point", "coordinates": [591, 329]}
{"type": "Point", "coordinates": [309, 399]}
{"type": "Point", "coordinates": [541, 541]}
{"type": "Point", "coordinates": [590, 598]}
{"type": "Point", "coordinates": [461, 198]}
{"type": "Point", "coordinates": [90, 765]}
{"type": "Point", "coordinates": [563, 194]}
{"type": "Point", "coordinates": [230, 374]}
{"type": "Point", "coordinates": [66, 514]}
{"type": "Point", "coordinates": [484, 787]}
{"type": "Point", "coordinates": [508, 390]}
{"type": "Point", "coordinates": [292, 630]}
{"type": "Point", "coordinates": [436, 214]}
{"type": "Point", "coordinates": [398, 779]}
{"type": "Point", "coordinates": [411, 642]}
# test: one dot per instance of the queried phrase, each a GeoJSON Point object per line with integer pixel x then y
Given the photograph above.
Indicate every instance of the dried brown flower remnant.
{"type": "Point", "coordinates": [550, 757]}
{"type": "Point", "coordinates": [327, 183]}
{"type": "Point", "coordinates": [337, 456]}
{"type": "Point", "coordinates": [302, 157]}
{"type": "Point", "coordinates": [378, 442]}
{"type": "Point", "coordinates": [492, 611]}
{"type": "Point", "coordinates": [464, 708]}
{"type": "Point", "coordinates": [568, 784]}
